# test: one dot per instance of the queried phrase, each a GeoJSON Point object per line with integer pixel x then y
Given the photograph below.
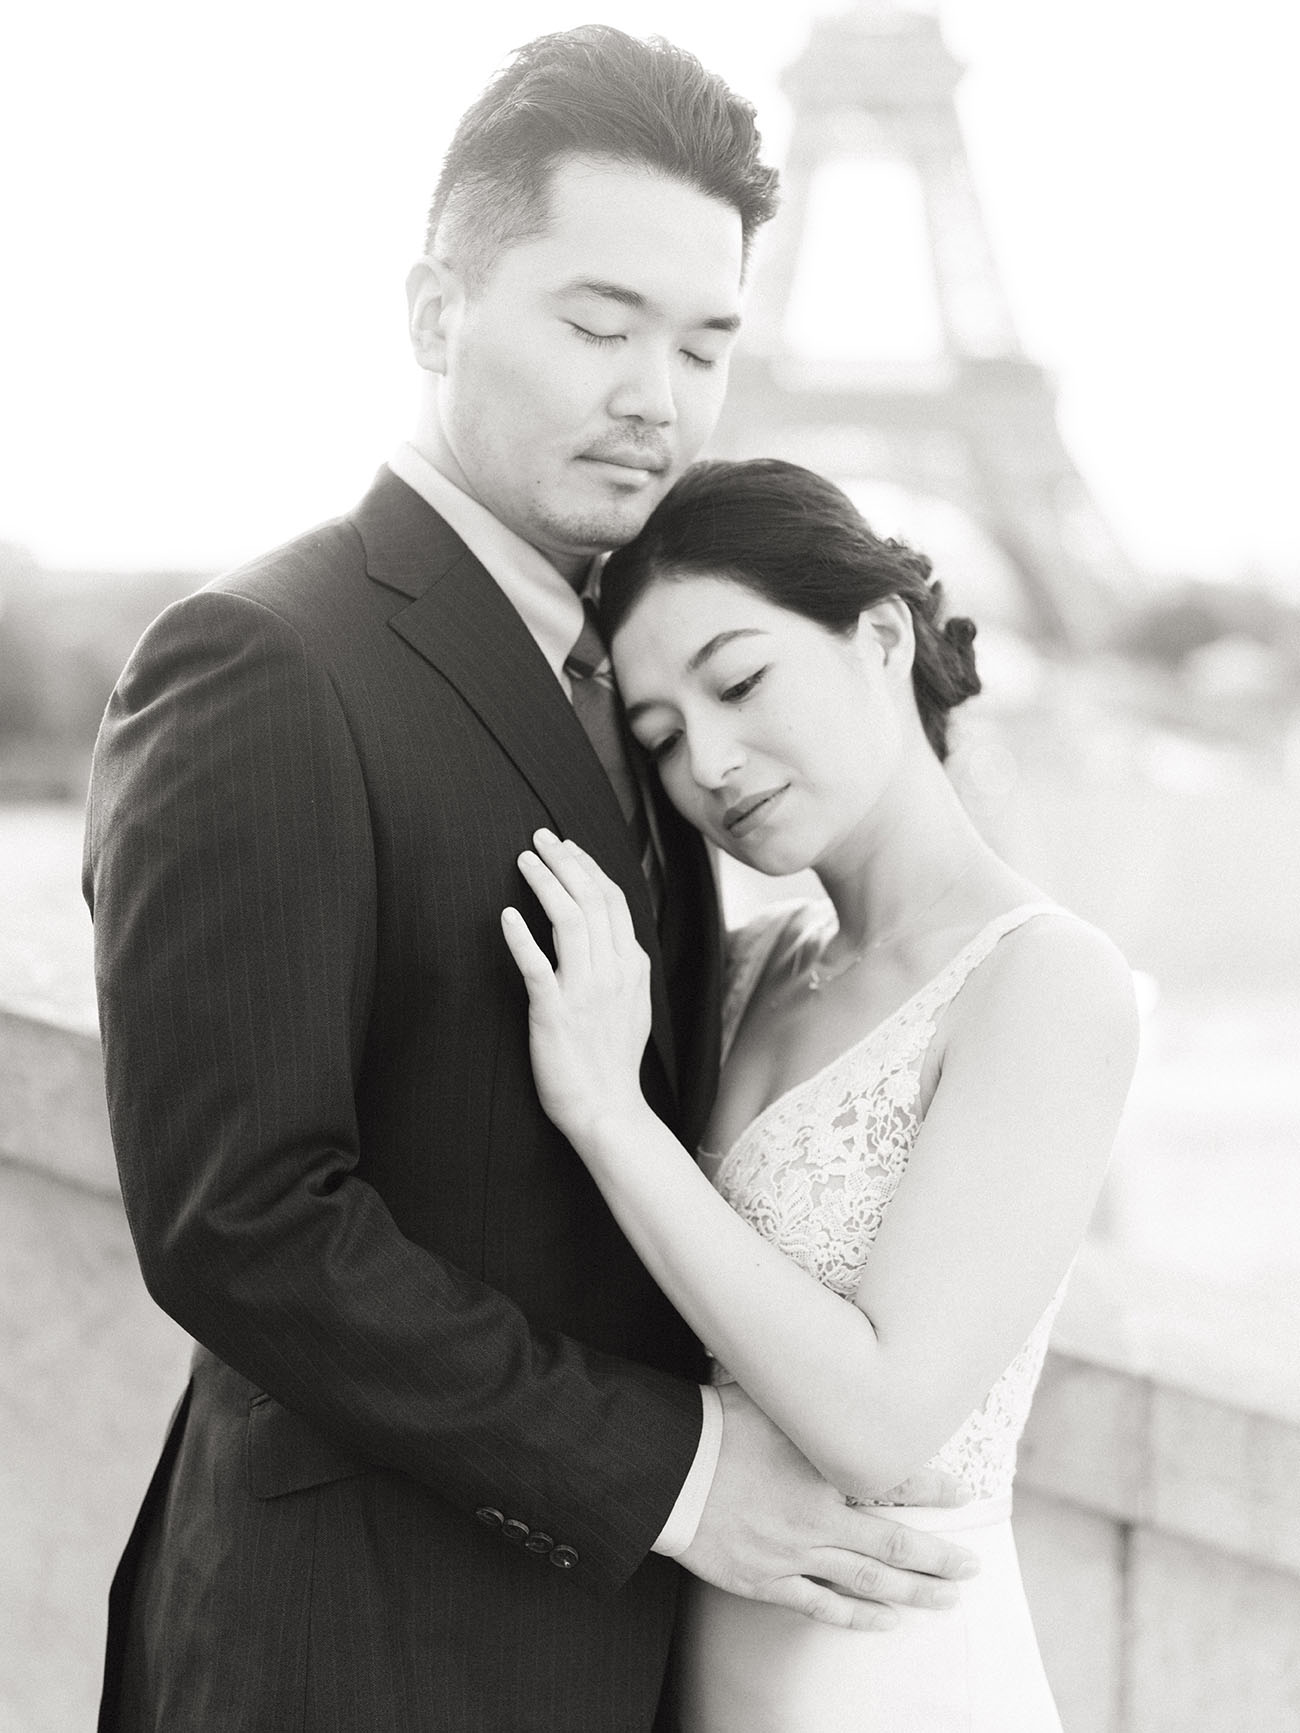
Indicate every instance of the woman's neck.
{"type": "Point", "coordinates": [903, 867]}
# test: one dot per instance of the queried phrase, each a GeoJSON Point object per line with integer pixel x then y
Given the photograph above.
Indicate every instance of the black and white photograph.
{"type": "Point", "coordinates": [649, 830]}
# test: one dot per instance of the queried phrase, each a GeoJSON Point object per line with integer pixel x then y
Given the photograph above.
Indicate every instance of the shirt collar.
{"type": "Point", "coordinates": [542, 596]}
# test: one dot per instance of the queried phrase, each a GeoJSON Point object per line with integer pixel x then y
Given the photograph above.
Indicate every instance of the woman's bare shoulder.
{"type": "Point", "coordinates": [1056, 971]}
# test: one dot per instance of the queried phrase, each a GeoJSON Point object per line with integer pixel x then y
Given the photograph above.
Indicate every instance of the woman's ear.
{"type": "Point", "coordinates": [886, 630]}
{"type": "Point", "coordinates": [433, 291]}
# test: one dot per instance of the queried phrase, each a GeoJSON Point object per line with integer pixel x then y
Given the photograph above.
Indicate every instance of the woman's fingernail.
{"type": "Point", "coordinates": [545, 836]}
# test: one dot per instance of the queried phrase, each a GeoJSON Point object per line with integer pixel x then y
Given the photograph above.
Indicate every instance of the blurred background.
{"type": "Point", "coordinates": [1032, 299]}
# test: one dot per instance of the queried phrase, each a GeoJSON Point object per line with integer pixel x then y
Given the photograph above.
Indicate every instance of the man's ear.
{"type": "Point", "coordinates": [433, 290]}
{"type": "Point", "coordinates": [887, 629]}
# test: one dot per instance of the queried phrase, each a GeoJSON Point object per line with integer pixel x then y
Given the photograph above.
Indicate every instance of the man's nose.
{"type": "Point", "coordinates": [645, 392]}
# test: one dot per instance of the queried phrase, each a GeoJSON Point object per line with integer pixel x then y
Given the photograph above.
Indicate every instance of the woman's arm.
{"type": "Point", "coordinates": [997, 1194]}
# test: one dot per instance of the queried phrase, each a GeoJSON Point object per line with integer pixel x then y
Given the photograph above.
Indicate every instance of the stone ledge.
{"type": "Point", "coordinates": [1172, 1406]}
{"type": "Point", "coordinates": [1086, 1439]}
{"type": "Point", "coordinates": [1219, 1340]}
{"type": "Point", "coordinates": [52, 1112]}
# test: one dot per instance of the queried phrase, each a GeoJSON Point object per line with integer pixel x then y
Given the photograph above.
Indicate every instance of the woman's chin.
{"type": "Point", "coordinates": [774, 857]}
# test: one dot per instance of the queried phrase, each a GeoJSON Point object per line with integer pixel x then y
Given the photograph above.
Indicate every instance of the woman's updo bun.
{"type": "Point", "coordinates": [798, 541]}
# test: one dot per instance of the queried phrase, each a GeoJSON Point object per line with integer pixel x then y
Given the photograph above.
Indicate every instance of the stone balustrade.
{"type": "Point", "coordinates": [1158, 1511]}
{"type": "Point", "coordinates": [1158, 1506]}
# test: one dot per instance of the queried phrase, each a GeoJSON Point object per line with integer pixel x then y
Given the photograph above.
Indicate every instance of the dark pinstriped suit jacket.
{"type": "Point", "coordinates": [413, 1309]}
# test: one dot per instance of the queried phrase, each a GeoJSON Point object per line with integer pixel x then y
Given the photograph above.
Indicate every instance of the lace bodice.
{"type": "Point", "coordinates": [815, 1171]}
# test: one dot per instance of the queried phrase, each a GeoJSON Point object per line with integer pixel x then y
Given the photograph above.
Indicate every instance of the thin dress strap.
{"type": "Point", "coordinates": [943, 989]}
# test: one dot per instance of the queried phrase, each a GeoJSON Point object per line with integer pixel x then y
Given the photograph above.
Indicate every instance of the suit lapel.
{"type": "Point", "coordinates": [461, 623]}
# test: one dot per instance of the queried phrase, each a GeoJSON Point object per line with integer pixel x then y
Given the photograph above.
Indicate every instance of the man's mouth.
{"type": "Point", "coordinates": [639, 462]}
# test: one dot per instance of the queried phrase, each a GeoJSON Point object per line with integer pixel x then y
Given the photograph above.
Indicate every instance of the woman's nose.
{"type": "Point", "coordinates": [714, 758]}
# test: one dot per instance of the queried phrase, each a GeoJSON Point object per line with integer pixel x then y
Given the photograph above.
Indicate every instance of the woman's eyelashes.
{"type": "Point", "coordinates": [739, 690]}
{"type": "Point", "coordinates": [734, 693]}
{"type": "Point", "coordinates": [661, 749]}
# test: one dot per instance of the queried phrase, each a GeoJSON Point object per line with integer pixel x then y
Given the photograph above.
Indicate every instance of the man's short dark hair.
{"type": "Point", "coordinates": [591, 92]}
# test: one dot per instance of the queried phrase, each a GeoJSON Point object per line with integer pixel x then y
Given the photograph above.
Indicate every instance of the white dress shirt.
{"type": "Point", "coordinates": [552, 610]}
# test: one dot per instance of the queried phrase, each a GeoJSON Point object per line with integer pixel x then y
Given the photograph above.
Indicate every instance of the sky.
{"type": "Point", "coordinates": [207, 213]}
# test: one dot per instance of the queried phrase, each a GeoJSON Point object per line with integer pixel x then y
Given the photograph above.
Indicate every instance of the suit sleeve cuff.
{"type": "Point", "coordinates": [684, 1518]}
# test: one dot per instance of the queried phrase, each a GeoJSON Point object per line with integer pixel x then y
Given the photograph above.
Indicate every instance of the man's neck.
{"type": "Point", "coordinates": [431, 443]}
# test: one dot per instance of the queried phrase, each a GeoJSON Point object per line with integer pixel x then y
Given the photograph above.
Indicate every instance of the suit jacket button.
{"type": "Point", "coordinates": [564, 1558]}
{"type": "Point", "coordinates": [539, 1542]}
{"type": "Point", "coordinates": [514, 1530]}
{"type": "Point", "coordinates": [488, 1517]}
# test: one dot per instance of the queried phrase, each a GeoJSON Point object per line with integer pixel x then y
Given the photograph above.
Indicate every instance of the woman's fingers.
{"type": "Point", "coordinates": [567, 918]}
{"type": "Point", "coordinates": [530, 959]}
{"type": "Point", "coordinates": [589, 1016]}
{"type": "Point", "coordinates": [619, 915]}
{"type": "Point", "coordinates": [581, 878]}
{"type": "Point", "coordinates": [587, 909]}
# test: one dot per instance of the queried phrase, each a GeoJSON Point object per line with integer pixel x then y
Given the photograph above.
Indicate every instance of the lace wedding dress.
{"type": "Point", "coordinates": [814, 1173]}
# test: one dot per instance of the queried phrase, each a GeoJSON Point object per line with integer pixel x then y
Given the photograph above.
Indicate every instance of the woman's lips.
{"type": "Point", "coordinates": [742, 815]}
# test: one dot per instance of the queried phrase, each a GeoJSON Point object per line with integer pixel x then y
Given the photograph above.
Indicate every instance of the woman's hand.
{"type": "Point", "coordinates": [589, 1017]}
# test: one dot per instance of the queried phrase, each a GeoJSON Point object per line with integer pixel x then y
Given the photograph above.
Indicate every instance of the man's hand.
{"type": "Point", "coordinates": [774, 1530]}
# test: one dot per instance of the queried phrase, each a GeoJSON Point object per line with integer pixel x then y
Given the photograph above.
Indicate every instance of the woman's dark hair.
{"type": "Point", "coordinates": [591, 92]}
{"type": "Point", "coordinates": [795, 539]}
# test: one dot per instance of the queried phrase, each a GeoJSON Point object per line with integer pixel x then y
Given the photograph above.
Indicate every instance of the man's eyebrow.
{"type": "Point", "coordinates": [718, 642]}
{"type": "Point", "coordinates": [625, 297]}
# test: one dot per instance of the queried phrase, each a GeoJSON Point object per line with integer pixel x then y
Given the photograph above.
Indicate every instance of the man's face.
{"type": "Point", "coordinates": [589, 368]}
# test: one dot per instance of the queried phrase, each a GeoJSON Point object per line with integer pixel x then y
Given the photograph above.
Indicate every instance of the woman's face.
{"type": "Point", "coordinates": [774, 736]}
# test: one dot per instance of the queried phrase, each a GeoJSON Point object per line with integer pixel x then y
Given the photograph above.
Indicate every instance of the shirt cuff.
{"type": "Point", "coordinates": [684, 1518]}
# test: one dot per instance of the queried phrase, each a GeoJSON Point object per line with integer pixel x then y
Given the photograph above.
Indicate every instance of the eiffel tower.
{"type": "Point", "coordinates": [973, 422]}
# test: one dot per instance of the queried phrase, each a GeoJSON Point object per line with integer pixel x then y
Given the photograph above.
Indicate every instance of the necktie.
{"type": "Point", "coordinates": [595, 702]}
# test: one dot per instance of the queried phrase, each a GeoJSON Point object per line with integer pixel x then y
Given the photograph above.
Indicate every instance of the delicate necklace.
{"type": "Point", "coordinates": [820, 976]}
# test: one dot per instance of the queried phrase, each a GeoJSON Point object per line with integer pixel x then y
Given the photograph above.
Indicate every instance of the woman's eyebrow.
{"type": "Point", "coordinates": [717, 642]}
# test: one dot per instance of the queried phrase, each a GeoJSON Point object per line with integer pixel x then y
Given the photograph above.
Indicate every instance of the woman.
{"type": "Point", "coordinates": [920, 1084]}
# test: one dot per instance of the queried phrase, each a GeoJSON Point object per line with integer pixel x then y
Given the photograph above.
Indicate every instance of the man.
{"type": "Point", "coordinates": [443, 1436]}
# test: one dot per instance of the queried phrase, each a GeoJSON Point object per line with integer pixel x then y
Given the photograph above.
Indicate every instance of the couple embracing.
{"type": "Point", "coordinates": [601, 1323]}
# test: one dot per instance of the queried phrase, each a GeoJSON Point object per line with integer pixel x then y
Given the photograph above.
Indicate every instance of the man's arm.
{"type": "Point", "coordinates": [233, 888]}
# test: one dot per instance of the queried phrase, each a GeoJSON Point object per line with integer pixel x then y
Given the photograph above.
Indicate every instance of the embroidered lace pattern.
{"type": "Point", "coordinates": [815, 1171]}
